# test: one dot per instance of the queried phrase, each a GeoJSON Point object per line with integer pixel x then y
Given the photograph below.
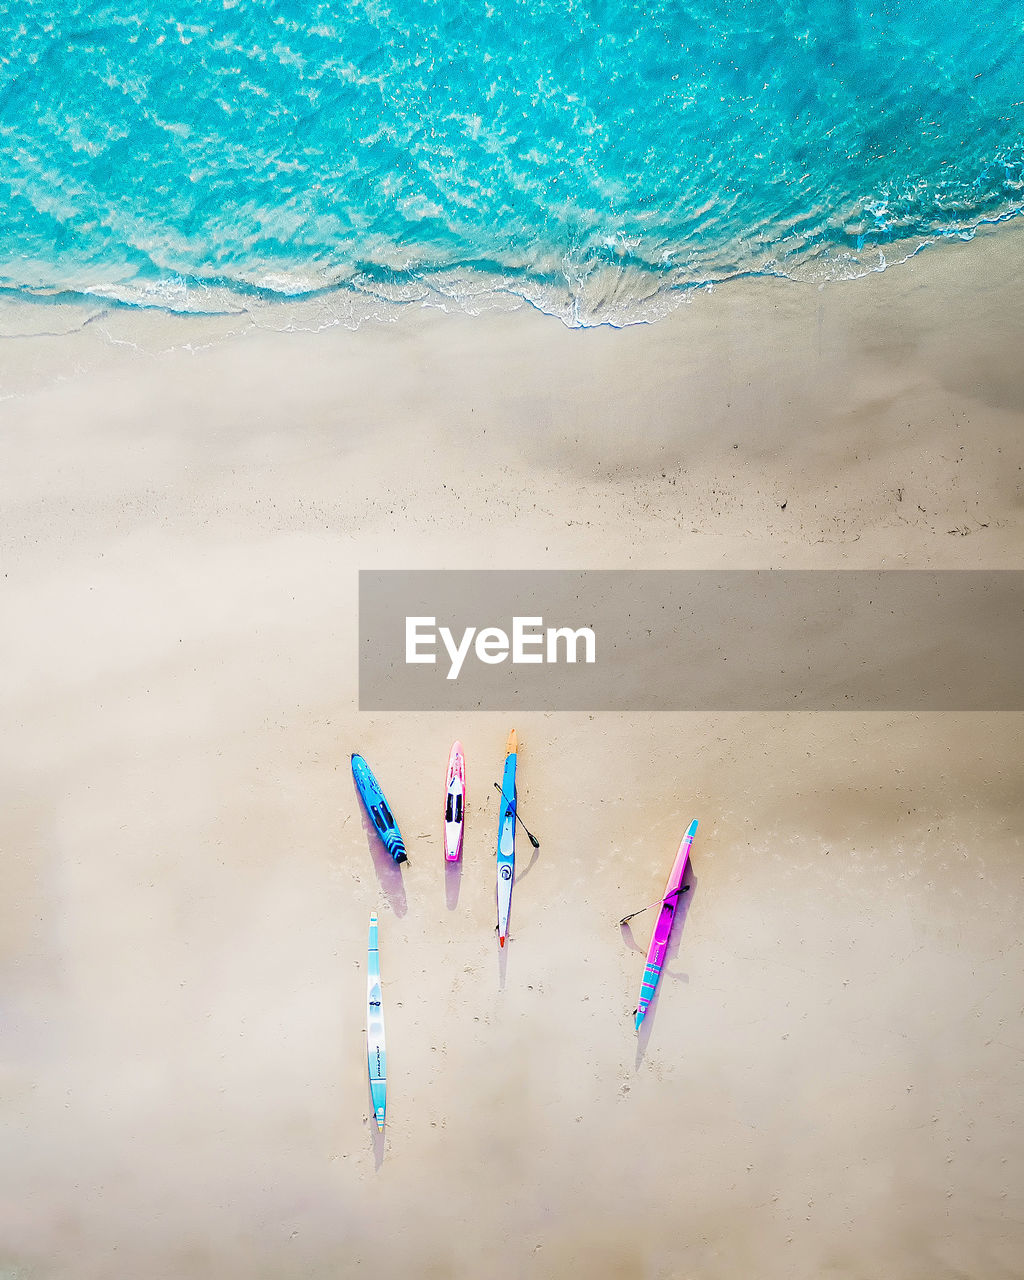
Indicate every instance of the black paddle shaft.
{"type": "Point", "coordinates": [676, 893]}
{"type": "Point", "coordinates": [515, 809]}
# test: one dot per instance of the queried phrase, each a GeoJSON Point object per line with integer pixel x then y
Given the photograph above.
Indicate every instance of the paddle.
{"type": "Point", "coordinates": [660, 903]}
{"type": "Point", "coordinates": [533, 839]}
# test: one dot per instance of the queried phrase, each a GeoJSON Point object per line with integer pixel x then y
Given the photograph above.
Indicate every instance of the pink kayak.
{"type": "Point", "coordinates": [455, 804]}
{"type": "Point", "coordinates": [663, 926]}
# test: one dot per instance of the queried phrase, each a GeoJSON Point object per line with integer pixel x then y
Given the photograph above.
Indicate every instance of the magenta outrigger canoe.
{"type": "Point", "coordinates": [663, 926]}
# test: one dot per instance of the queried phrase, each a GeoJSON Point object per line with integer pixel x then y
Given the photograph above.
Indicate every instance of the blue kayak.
{"type": "Point", "coordinates": [377, 808]}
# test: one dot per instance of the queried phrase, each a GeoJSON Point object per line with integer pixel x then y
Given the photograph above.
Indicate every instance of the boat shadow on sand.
{"type": "Point", "coordinates": [668, 978]}
{"type": "Point", "coordinates": [452, 883]}
{"type": "Point", "coordinates": [389, 873]}
{"type": "Point", "coordinates": [521, 875]}
{"type": "Point", "coordinates": [378, 1140]}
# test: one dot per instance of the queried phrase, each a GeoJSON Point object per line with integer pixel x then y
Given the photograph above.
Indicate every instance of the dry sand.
{"type": "Point", "coordinates": [830, 1082]}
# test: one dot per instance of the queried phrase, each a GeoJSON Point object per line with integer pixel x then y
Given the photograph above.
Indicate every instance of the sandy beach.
{"type": "Point", "coordinates": [830, 1081]}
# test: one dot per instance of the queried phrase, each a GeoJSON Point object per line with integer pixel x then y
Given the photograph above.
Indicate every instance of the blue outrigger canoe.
{"type": "Point", "coordinates": [507, 837]}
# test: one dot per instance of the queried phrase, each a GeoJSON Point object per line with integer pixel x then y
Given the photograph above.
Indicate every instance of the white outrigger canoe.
{"type": "Point", "coordinates": [375, 1055]}
{"type": "Point", "coordinates": [455, 804]}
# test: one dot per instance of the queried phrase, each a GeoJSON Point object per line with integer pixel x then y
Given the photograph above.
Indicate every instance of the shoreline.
{"type": "Point", "coordinates": [694, 430]}
{"type": "Point", "coordinates": [828, 1083]}
{"type": "Point", "coordinates": [56, 312]}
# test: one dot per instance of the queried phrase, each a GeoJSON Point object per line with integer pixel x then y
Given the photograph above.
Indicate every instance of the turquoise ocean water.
{"type": "Point", "coordinates": [599, 159]}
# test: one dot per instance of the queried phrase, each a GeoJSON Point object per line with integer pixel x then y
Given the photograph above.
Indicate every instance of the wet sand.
{"type": "Point", "coordinates": [830, 1081]}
